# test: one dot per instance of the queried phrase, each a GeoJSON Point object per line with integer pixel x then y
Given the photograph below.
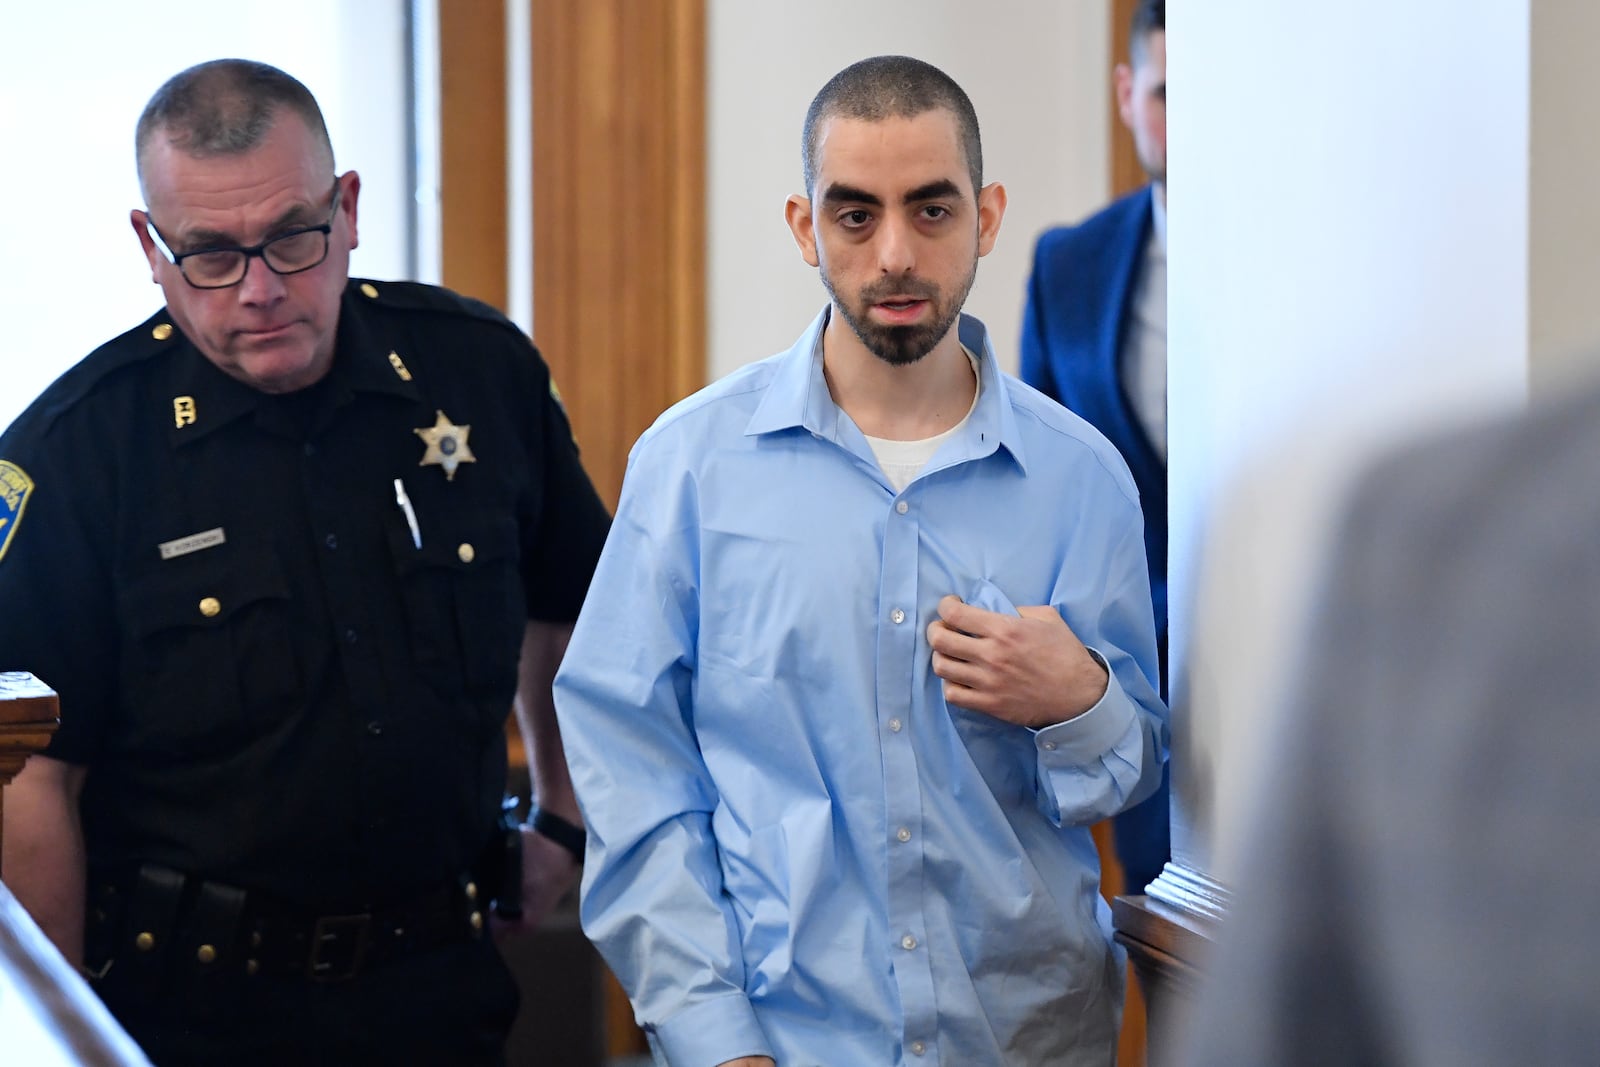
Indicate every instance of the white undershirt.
{"type": "Point", "coordinates": [1144, 348]}
{"type": "Point", "coordinates": [902, 460]}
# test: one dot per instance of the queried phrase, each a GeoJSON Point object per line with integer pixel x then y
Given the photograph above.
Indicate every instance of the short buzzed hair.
{"type": "Point", "coordinates": [891, 87]}
{"type": "Point", "coordinates": [1150, 16]}
{"type": "Point", "coordinates": [225, 107]}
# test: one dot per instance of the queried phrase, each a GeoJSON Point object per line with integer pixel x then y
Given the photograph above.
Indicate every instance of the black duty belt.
{"type": "Point", "coordinates": [162, 926]}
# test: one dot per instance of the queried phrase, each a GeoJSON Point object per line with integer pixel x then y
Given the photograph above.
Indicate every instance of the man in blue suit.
{"type": "Point", "coordinates": [1095, 339]}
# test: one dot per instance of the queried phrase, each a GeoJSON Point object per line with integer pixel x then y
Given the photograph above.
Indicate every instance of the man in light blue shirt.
{"type": "Point", "coordinates": [868, 650]}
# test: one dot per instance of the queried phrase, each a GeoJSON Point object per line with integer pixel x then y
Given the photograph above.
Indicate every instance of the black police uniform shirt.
{"type": "Point", "coordinates": [273, 680]}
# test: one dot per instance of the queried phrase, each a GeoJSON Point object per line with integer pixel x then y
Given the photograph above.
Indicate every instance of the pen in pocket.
{"type": "Point", "coordinates": [404, 501]}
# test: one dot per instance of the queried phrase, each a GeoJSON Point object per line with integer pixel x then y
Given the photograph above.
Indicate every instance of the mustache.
{"type": "Point", "coordinates": [911, 286]}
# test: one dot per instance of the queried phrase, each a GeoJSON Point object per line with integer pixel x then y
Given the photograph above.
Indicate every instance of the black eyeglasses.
{"type": "Point", "coordinates": [219, 268]}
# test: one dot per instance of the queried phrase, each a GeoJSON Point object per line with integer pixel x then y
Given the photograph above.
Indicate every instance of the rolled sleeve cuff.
{"type": "Point", "coordinates": [709, 1033]}
{"type": "Point", "coordinates": [1088, 765]}
{"type": "Point", "coordinates": [1091, 735]}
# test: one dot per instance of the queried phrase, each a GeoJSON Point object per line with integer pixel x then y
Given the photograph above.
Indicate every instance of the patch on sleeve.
{"type": "Point", "coordinates": [15, 488]}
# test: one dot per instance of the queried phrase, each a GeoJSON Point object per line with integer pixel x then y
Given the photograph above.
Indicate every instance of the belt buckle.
{"type": "Point", "coordinates": [338, 947]}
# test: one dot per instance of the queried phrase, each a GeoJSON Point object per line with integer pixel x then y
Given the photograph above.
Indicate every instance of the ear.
{"type": "Point", "coordinates": [347, 202]}
{"type": "Point", "coordinates": [141, 222]}
{"type": "Point", "coordinates": [797, 212]}
{"type": "Point", "coordinates": [1122, 81]}
{"type": "Point", "coordinates": [991, 209]}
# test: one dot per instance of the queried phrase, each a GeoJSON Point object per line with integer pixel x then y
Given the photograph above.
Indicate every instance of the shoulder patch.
{"type": "Point", "coordinates": [15, 488]}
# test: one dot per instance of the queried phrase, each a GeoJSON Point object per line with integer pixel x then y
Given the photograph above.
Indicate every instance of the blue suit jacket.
{"type": "Point", "coordinates": [1077, 313]}
{"type": "Point", "coordinates": [1078, 306]}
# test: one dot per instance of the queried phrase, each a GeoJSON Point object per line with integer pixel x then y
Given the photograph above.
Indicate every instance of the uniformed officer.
{"type": "Point", "coordinates": [288, 551]}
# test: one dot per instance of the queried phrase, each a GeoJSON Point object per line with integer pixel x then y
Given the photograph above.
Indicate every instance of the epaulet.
{"type": "Point", "coordinates": [428, 299]}
{"type": "Point", "coordinates": [145, 341]}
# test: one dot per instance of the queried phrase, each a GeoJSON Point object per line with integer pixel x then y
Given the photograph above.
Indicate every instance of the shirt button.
{"type": "Point", "coordinates": [894, 726]}
{"type": "Point", "coordinates": [902, 507]}
{"type": "Point", "coordinates": [332, 540]}
{"type": "Point", "coordinates": [310, 449]}
{"type": "Point", "coordinates": [908, 942]}
{"type": "Point", "coordinates": [918, 1048]}
{"type": "Point", "coordinates": [375, 728]}
{"type": "Point", "coordinates": [1049, 746]}
{"type": "Point", "coordinates": [350, 636]}
{"type": "Point", "coordinates": [897, 616]}
{"type": "Point", "coordinates": [902, 835]}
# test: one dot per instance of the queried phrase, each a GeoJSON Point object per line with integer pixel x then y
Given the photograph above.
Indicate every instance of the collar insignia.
{"type": "Point", "coordinates": [183, 413]}
{"type": "Point", "coordinates": [447, 445]}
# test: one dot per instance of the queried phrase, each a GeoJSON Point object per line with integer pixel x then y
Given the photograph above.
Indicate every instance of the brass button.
{"type": "Point", "coordinates": [145, 941]}
{"type": "Point", "coordinates": [210, 607]}
{"type": "Point", "coordinates": [252, 967]}
{"type": "Point", "coordinates": [162, 331]}
{"type": "Point", "coordinates": [370, 290]}
{"type": "Point", "coordinates": [255, 939]}
{"type": "Point", "coordinates": [476, 919]}
{"type": "Point", "coordinates": [472, 890]}
{"type": "Point", "coordinates": [466, 553]}
{"type": "Point", "coordinates": [206, 954]}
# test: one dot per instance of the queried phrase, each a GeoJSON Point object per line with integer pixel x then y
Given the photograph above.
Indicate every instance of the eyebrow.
{"type": "Point", "coordinates": [295, 216]}
{"type": "Point", "coordinates": [939, 189]}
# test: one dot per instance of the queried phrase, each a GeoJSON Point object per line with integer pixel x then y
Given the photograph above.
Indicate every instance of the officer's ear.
{"type": "Point", "coordinates": [351, 190]}
{"type": "Point", "coordinates": [154, 255]}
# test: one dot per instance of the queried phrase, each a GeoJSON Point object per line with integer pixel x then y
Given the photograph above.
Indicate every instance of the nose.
{"type": "Point", "coordinates": [260, 285]}
{"type": "Point", "coordinates": [896, 245]}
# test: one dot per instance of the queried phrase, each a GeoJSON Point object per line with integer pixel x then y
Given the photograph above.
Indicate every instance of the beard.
{"type": "Point", "coordinates": [901, 346]}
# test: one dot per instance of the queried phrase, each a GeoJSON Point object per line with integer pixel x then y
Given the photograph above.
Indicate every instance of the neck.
{"type": "Point", "coordinates": [898, 403]}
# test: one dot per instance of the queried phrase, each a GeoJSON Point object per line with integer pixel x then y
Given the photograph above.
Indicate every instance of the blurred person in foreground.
{"type": "Point", "coordinates": [1419, 880]}
{"type": "Point", "coordinates": [868, 651]}
{"type": "Point", "coordinates": [288, 550]}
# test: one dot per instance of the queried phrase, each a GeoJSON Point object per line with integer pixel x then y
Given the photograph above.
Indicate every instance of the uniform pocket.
{"type": "Point", "coordinates": [207, 656]}
{"type": "Point", "coordinates": [465, 610]}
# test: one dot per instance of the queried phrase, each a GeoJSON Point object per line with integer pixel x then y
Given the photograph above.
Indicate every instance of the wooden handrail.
{"type": "Point", "coordinates": [29, 715]}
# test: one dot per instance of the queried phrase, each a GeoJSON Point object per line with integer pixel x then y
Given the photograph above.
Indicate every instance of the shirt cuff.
{"type": "Point", "coordinates": [1089, 736]}
{"type": "Point", "coordinates": [711, 1032]}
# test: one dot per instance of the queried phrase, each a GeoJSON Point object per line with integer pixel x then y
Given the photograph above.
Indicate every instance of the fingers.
{"type": "Point", "coordinates": [966, 618]}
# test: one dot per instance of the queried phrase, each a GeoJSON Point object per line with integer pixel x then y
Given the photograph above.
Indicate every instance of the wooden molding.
{"type": "Point", "coordinates": [1126, 172]}
{"type": "Point", "coordinates": [618, 214]}
{"type": "Point", "coordinates": [472, 149]}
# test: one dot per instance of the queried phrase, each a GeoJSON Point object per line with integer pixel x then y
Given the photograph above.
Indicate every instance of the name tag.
{"type": "Point", "coordinates": [193, 543]}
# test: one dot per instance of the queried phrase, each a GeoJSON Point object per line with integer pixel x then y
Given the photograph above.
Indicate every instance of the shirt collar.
{"type": "Point", "coordinates": [797, 396]}
{"type": "Point", "coordinates": [213, 398]}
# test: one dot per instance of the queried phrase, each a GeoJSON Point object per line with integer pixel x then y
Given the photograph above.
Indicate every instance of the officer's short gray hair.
{"type": "Point", "coordinates": [225, 107]}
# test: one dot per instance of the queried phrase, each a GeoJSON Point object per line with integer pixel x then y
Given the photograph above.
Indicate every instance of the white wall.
{"type": "Point", "coordinates": [1348, 262]}
{"type": "Point", "coordinates": [77, 74]}
{"type": "Point", "coordinates": [1037, 75]}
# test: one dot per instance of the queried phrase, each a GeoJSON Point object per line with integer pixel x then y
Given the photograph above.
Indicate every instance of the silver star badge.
{"type": "Point", "coordinates": [447, 445]}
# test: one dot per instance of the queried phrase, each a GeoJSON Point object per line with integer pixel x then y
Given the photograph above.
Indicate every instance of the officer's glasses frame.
{"type": "Point", "coordinates": [291, 252]}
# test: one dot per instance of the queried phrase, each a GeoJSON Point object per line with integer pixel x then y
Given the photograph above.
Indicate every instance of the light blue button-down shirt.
{"type": "Point", "coordinates": [796, 847]}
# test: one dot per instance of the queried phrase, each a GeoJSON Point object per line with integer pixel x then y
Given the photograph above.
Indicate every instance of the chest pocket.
{"type": "Point", "coordinates": [465, 609]}
{"type": "Point", "coordinates": [207, 657]}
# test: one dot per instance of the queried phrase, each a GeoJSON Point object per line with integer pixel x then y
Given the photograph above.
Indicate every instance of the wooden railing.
{"type": "Point", "coordinates": [29, 715]}
{"type": "Point", "coordinates": [48, 1015]}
